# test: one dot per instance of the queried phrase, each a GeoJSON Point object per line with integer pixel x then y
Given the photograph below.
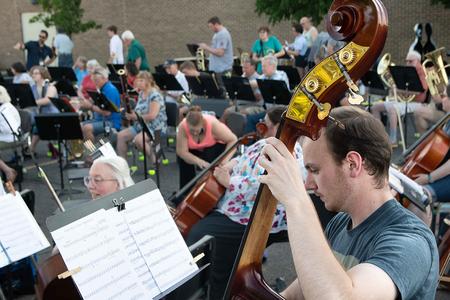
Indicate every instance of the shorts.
{"type": "Point", "coordinates": [98, 126]}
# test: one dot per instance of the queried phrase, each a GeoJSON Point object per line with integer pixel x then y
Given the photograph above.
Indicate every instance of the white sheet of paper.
{"type": "Point", "coordinates": [159, 239]}
{"type": "Point", "coordinates": [20, 235]}
{"type": "Point", "coordinates": [107, 150]}
{"type": "Point", "coordinates": [92, 244]}
{"type": "Point", "coordinates": [118, 222]}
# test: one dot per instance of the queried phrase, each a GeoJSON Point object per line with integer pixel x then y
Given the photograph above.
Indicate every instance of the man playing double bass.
{"type": "Point", "coordinates": [374, 248]}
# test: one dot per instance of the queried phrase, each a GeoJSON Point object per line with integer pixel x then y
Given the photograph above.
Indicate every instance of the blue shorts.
{"type": "Point", "coordinates": [98, 126]}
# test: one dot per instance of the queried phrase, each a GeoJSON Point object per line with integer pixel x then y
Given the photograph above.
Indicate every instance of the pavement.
{"type": "Point", "coordinates": [279, 262]}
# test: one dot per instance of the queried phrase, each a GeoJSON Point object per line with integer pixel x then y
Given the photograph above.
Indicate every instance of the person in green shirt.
{"type": "Point", "coordinates": [266, 45]}
{"type": "Point", "coordinates": [136, 52]}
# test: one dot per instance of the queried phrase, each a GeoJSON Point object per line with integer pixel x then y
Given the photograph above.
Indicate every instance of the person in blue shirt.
{"type": "Point", "coordinates": [80, 69]}
{"type": "Point", "coordinates": [38, 54]}
{"type": "Point", "coordinates": [103, 120]}
{"type": "Point", "coordinates": [266, 45]}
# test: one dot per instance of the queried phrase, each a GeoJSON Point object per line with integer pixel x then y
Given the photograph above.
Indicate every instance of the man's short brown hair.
{"type": "Point", "coordinates": [364, 134]}
{"type": "Point", "coordinates": [189, 65]}
{"type": "Point", "coordinates": [112, 28]}
{"type": "Point", "coordinates": [215, 20]}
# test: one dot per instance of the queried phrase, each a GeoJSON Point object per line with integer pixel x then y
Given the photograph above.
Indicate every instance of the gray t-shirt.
{"type": "Point", "coordinates": [396, 241]}
{"type": "Point", "coordinates": [221, 39]}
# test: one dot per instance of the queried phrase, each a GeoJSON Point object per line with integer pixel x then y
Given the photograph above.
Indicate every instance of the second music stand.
{"type": "Point", "coordinates": [61, 126]}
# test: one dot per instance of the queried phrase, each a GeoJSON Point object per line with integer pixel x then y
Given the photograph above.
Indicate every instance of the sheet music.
{"type": "Point", "coordinates": [134, 255]}
{"type": "Point", "coordinates": [20, 235]}
{"type": "Point", "coordinates": [159, 239]}
{"type": "Point", "coordinates": [107, 150]}
{"type": "Point", "coordinates": [92, 244]}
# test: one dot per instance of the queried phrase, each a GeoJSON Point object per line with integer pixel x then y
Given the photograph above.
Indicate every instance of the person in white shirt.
{"type": "Point", "coordinates": [63, 46]}
{"type": "Point", "coordinates": [115, 46]}
{"type": "Point", "coordinates": [171, 67]}
{"type": "Point", "coordinates": [298, 49]}
{"type": "Point", "coordinates": [9, 118]}
{"type": "Point", "coordinates": [20, 73]}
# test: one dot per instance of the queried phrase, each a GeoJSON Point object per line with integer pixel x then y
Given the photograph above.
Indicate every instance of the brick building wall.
{"type": "Point", "coordinates": [165, 26]}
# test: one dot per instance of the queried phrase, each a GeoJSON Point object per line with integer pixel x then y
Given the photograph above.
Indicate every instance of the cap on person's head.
{"type": "Point", "coordinates": [169, 62]}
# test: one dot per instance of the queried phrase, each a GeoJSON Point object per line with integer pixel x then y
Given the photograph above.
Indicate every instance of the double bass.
{"type": "Point", "coordinates": [363, 25]}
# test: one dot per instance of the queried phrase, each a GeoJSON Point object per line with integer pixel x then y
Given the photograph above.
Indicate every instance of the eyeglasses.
{"type": "Point", "coordinates": [96, 180]}
{"type": "Point", "coordinates": [42, 37]}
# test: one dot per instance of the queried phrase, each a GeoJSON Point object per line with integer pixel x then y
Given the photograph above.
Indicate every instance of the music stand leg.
{"type": "Point", "coordinates": [405, 123]}
{"type": "Point", "coordinates": [145, 154]}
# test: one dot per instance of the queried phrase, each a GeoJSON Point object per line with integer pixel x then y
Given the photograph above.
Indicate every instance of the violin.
{"type": "Point", "coordinates": [205, 194]}
{"type": "Point", "coordinates": [363, 24]}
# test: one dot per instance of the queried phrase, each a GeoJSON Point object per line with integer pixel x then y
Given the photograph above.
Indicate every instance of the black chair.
{"type": "Point", "coordinates": [172, 121]}
{"type": "Point", "coordinates": [236, 122]}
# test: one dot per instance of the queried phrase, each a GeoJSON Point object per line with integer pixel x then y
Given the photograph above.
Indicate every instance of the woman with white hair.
{"type": "Point", "coordinates": [9, 118]}
{"type": "Point", "coordinates": [108, 175]}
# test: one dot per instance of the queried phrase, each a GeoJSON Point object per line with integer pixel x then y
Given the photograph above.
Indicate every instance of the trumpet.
{"type": "Point", "coordinates": [435, 75]}
{"type": "Point", "coordinates": [386, 76]}
{"type": "Point", "coordinates": [200, 59]}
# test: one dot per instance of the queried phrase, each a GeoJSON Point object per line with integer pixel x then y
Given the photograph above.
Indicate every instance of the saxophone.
{"type": "Point", "coordinates": [200, 59]}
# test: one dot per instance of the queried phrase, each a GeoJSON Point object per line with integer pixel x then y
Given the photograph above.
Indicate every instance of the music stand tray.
{"type": "Point", "coordinates": [239, 88]}
{"type": "Point", "coordinates": [21, 94]}
{"type": "Point", "coordinates": [167, 82]}
{"type": "Point", "coordinates": [62, 74]}
{"type": "Point", "coordinates": [62, 104]}
{"type": "Point", "coordinates": [373, 81]}
{"type": "Point", "coordinates": [60, 126]}
{"type": "Point", "coordinates": [406, 78]}
{"type": "Point", "coordinates": [274, 91]}
{"type": "Point", "coordinates": [101, 101]}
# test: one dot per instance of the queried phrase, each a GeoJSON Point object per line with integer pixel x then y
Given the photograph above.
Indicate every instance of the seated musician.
{"type": "Point", "coordinates": [9, 173]}
{"type": "Point", "coordinates": [42, 91]}
{"type": "Point", "coordinates": [200, 139]}
{"type": "Point", "coordinates": [171, 67]}
{"type": "Point", "coordinates": [437, 182]}
{"type": "Point", "coordinates": [393, 108]}
{"type": "Point", "coordinates": [87, 84]}
{"type": "Point", "coordinates": [108, 175]}
{"type": "Point", "coordinates": [9, 118]}
{"type": "Point", "coordinates": [269, 70]}
{"type": "Point", "coordinates": [151, 107]}
{"type": "Point", "coordinates": [80, 69]}
{"type": "Point", "coordinates": [227, 223]}
{"type": "Point", "coordinates": [188, 68]}
{"type": "Point", "coordinates": [103, 120]}
{"type": "Point", "coordinates": [20, 73]}
{"type": "Point", "coordinates": [374, 248]}
{"type": "Point", "coordinates": [132, 71]}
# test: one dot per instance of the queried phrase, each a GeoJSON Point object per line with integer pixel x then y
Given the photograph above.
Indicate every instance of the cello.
{"type": "Point", "coordinates": [48, 284]}
{"type": "Point", "coordinates": [363, 24]}
{"type": "Point", "coordinates": [205, 190]}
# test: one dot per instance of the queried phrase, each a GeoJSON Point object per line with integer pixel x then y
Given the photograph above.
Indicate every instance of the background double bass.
{"type": "Point", "coordinates": [363, 24]}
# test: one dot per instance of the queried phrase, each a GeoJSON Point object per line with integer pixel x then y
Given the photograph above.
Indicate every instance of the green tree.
{"type": "Point", "coordinates": [64, 14]}
{"type": "Point", "coordinates": [278, 10]}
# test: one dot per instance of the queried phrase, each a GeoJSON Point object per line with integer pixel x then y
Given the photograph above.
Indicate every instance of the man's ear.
{"type": "Point", "coordinates": [355, 163]}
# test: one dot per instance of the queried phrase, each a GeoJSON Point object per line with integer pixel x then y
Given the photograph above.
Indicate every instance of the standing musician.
{"type": "Point", "coordinates": [227, 223]}
{"type": "Point", "coordinates": [374, 248]}
{"type": "Point", "coordinates": [103, 119]}
{"type": "Point", "coordinates": [151, 107]}
{"type": "Point", "coordinates": [266, 45]}
{"type": "Point", "coordinates": [200, 139]}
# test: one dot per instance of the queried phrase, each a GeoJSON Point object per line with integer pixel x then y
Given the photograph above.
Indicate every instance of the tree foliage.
{"type": "Point", "coordinates": [279, 10]}
{"type": "Point", "coordinates": [65, 14]}
{"type": "Point", "coordinates": [446, 3]}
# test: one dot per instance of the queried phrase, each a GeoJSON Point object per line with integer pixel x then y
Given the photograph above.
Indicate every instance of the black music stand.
{"type": "Point", "coordinates": [204, 85]}
{"type": "Point", "coordinates": [292, 74]}
{"type": "Point", "coordinates": [274, 91]}
{"type": "Point", "coordinates": [239, 88]}
{"type": "Point", "coordinates": [113, 68]}
{"type": "Point", "coordinates": [156, 141]}
{"type": "Point", "coordinates": [167, 82]}
{"type": "Point", "coordinates": [64, 77]}
{"type": "Point", "coordinates": [192, 48]}
{"type": "Point", "coordinates": [21, 94]}
{"type": "Point", "coordinates": [61, 126]}
{"type": "Point", "coordinates": [406, 79]}
{"type": "Point", "coordinates": [373, 81]}
{"type": "Point", "coordinates": [62, 104]}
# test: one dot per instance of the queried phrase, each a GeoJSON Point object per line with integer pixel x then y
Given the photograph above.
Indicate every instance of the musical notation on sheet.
{"type": "Point", "coordinates": [106, 272]}
{"type": "Point", "coordinates": [20, 235]}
